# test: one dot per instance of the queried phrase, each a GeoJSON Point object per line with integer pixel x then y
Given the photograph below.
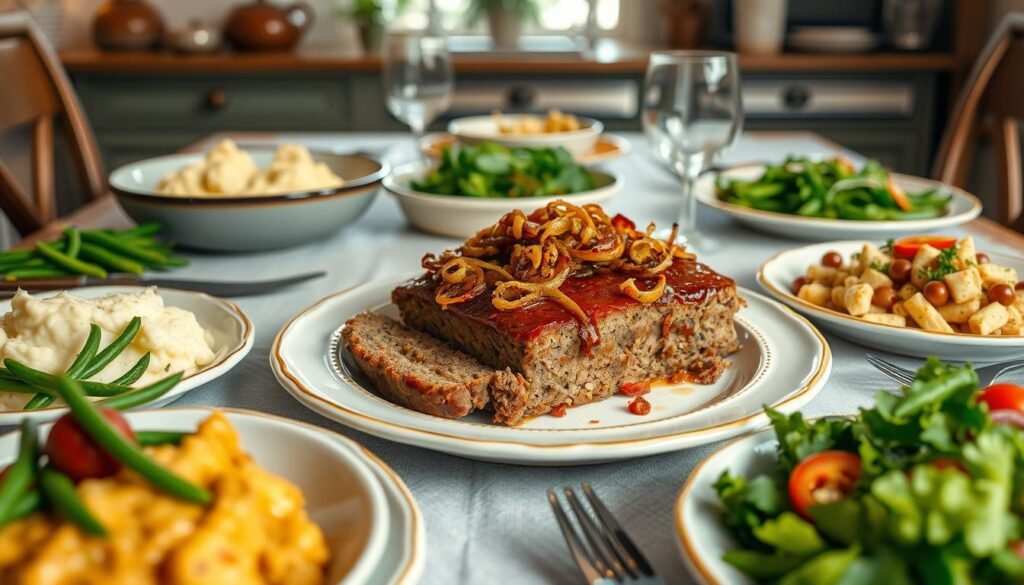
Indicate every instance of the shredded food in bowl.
{"type": "Point", "coordinates": [524, 259]}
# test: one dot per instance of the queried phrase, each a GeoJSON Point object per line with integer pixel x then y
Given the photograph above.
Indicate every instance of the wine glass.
{"type": "Point", "coordinates": [417, 78]}
{"type": "Point", "coordinates": [692, 110]}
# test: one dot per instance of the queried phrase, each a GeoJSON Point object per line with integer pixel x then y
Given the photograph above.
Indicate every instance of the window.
{"type": "Point", "coordinates": [555, 16]}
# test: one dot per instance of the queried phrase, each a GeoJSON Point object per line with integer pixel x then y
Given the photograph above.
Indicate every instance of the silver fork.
{"type": "Point", "coordinates": [986, 374]}
{"type": "Point", "coordinates": [609, 555]}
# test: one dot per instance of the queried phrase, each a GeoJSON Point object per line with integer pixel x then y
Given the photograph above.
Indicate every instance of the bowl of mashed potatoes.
{"type": "Point", "coordinates": [239, 200]}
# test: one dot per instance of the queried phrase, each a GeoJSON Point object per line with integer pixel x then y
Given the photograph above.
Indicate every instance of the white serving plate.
{"type": "Point", "coordinates": [343, 493]}
{"type": "Point", "coordinates": [699, 530]}
{"type": "Point", "coordinates": [963, 208]}
{"type": "Point", "coordinates": [311, 364]}
{"type": "Point", "coordinates": [776, 275]}
{"type": "Point", "coordinates": [461, 217]}
{"type": "Point", "coordinates": [233, 334]}
{"type": "Point", "coordinates": [476, 129]}
{"type": "Point", "coordinates": [607, 148]}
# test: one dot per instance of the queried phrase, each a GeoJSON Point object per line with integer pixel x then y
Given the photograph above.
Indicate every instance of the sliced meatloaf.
{"type": "Point", "coordinates": [424, 373]}
{"type": "Point", "coordinates": [687, 333]}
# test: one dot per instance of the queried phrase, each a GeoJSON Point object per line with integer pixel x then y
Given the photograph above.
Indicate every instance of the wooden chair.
{"type": "Point", "coordinates": [991, 104]}
{"type": "Point", "coordinates": [37, 95]}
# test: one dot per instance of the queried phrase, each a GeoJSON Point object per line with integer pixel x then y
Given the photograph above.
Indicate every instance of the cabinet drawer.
{"type": "Point", "coordinates": [207, 103]}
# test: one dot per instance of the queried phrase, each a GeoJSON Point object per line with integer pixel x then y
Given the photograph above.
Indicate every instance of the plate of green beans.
{"type": "Point", "coordinates": [827, 199]}
{"type": "Point", "coordinates": [95, 253]}
{"type": "Point", "coordinates": [231, 329]}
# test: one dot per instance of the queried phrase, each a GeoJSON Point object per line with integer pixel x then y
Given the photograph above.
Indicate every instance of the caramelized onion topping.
{"type": "Point", "coordinates": [524, 259]}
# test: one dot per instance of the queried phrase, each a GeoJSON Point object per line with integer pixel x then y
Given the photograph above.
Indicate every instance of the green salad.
{"type": "Point", "coordinates": [494, 170]}
{"type": "Point", "coordinates": [925, 487]}
{"type": "Point", "coordinates": [832, 189]}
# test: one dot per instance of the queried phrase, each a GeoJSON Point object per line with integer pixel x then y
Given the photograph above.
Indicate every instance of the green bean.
{"type": "Point", "coordinates": [99, 428]}
{"type": "Point", "coordinates": [39, 401]}
{"type": "Point", "coordinates": [26, 505]}
{"type": "Point", "coordinates": [74, 238]}
{"type": "Point", "coordinates": [33, 263]}
{"type": "Point", "coordinates": [92, 343]}
{"type": "Point", "coordinates": [31, 273]}
{"type": "Point", "coordinates": [110, 260]}
{"type": "Point", "coordinates": [21, 473]}
{"type": "Point", "coordinates": [17, 386]}
{"type": "Point", "coordinates": [140, 396]}
{"type": "Point", "coordinates": [143, 229]}
{"type": "Point", "coordinates": [112, 244]}
{"type": "Point", "coordinates": [175, 261]}
{"type": "Point", "coordinates": [60, 492]}
{"type": "Point", "coordinates": [67, 262]}
{"type": "Point", "coordinates": [153, 438]}
{"type": "Point", "coordinates": [131, 376]}
{"type": "Point", "coordinates": [17, 255]}
{"type": "Point", "coordinates": [113, 350]}
{"type": "Point", "coordinates": [47, 383]}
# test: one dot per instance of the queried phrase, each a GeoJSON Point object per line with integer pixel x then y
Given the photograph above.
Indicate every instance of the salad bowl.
{"type": "Point", "coordinates": [477, 129]}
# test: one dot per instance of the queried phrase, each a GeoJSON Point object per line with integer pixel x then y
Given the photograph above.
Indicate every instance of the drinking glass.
{"type": "Point", "coordinates": [417, 77]}
{"type": "Point", "coordinates": [692, 110]}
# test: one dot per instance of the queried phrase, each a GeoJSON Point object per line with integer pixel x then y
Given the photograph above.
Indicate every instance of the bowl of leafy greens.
{"type": "Point", "coordinates": [826, 199]}
{"type": "Point", "coordinates": [473, 186]}
{"type": "Point", "coordinates": [924, 487]}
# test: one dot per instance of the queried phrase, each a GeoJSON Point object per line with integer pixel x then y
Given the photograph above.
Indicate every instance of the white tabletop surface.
{"type": "Point", "coordinates": [488, 523]}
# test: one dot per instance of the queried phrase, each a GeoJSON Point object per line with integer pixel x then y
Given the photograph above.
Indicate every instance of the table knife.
{"type": "Point", "coordinates": [216, 288]}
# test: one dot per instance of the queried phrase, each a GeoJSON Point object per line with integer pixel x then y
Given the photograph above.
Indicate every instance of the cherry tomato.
{"type": "Point", "coordinates": [822, 478]}
{"type": "Point", "coordinates": [899, 270]}
{"type": "Point", "coordinates": [798, 284]}
{"type": "Point", "coordinates": [884, 297]}
{"type": "Point", "coordinates": [1002, 294]}
{"type": "Point", "coordinates": [1018, 548]}
{"type": "Point", "coordinates": [1019, 286]}
{"type": "Point", "coordinates": [74, 452]}
{"type": "Point", "coordinates": [640, 406]}
{"type": "Point", "coordinates": [899, 197]}
{"type": "Point", "coordinates": [1003, 396]}
{"type": "Point", "coordinates": [982, 258]}
{"type": "Point", "coordinates": [634, 388]}
{"type": "Point", "coordinates": [832, 260]}
{"type": "Point", "coordinates": [908, 247]}
{"type": "Point", "coordinates": [936, 292]}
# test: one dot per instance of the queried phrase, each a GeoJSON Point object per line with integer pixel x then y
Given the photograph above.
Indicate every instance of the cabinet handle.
{"type": "Point", "coordinates": [217, 99]}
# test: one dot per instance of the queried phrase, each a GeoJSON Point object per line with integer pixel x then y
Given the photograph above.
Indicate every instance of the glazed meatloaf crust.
{"type": "Point", "coordinates": [423, 373]}
{"type": "Point", "coordinates": [687, 332]}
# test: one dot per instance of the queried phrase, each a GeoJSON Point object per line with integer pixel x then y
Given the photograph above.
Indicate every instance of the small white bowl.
{"type": "Point", "coordinates": [342, 494]}
{"type": "Point", "coordinates": [476, 129]}
{"type": "Point", "coordinates": [462, 216]}
{"type": "Point", "coordinates": [777, 274]}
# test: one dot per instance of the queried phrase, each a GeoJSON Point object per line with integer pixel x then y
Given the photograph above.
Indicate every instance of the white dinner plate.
{"type": "Point", "coordinates": [232, 331]}
{"type": "Point", "coordinates": [343, 493]}
{"type": "Point", "coordinates": [778, 273]}
{"type": "Point", "coordinates": [698, 514]}
{"type": "Point", "coordinates": [963, 208]}
{"type": "Point", "coordinates": [309, 362]}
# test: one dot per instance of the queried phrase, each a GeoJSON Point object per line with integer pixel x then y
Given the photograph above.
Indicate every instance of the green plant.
{"type": "Point", "coordinates": [527, 9]}
{"type": "Point", "coordinates": [376, 10]}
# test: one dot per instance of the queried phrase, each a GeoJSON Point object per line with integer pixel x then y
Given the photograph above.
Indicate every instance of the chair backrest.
{"type": "Point", "coordinates": [37, 94]}
{"type": "Point", "coordinates": [991, 104]}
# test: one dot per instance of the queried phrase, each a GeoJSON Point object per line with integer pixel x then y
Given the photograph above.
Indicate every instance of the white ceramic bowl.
{"type": "Point", "coordinates": [460, 216]}
{"type": "Point", "coordinates": [248, 223]}
{"type": "Point", "coordinates": [343, 495]}
{"type": "Point", "coordinates": [476, 129]}
{"type": "Point", "coordinates": [963, 208]}
{"type": "Point", "coordinates": [776, 275]}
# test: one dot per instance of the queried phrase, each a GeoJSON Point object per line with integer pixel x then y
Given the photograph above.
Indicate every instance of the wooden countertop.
{"type": "Point", "coordinates": [608, 58]}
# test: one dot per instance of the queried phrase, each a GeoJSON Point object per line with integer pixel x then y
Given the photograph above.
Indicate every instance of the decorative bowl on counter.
{"type": "Point", "coordinates": [477, 129]}
{"type": "Point", "coordinates": [127, 25]}
{"type": "Point", "coordinates": [246, 223]}
{"type": "Point", "coordinates": [461, 215]}
{"type": "Point", "coordinates": [262, 26]}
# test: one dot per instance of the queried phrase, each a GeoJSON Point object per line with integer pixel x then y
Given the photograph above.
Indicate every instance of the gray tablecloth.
{"type": "Point", "coordinates": [489, 523]}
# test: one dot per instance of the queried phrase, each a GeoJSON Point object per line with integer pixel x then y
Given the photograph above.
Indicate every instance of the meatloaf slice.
{"type": "Point", "coordinates": [426, 374]}
{"type": "Point", "coordinates": [687, 333]}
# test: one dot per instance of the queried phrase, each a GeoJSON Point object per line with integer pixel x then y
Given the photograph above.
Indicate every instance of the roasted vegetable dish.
{"type": "Point", "coordinates": [494, 170]}
{"type": "Point", "coordinates": [925, 487]}
{"type": "Point", "coordinates": [832, 189]}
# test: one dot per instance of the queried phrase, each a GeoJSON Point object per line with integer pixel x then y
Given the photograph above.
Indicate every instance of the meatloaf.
{"type": "Point", "coordinates": [688, 332]}
{"type": "Point", "coordinates": [423, 373]}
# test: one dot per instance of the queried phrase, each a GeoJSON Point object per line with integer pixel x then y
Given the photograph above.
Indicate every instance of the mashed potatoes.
{"type": "Point", "coordinates": [47, 334]}
{"type": "Point", "coordinates": [228, 171]}
{"type": "Point", "coordinates": [255, 532]}
{"type": "Point", "coordinates": [555, 121]}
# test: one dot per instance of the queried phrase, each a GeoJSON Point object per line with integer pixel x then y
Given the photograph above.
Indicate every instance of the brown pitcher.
{"type": "Point", "coordinates": [261, 26]}
{"type": "Point", "coordinates": [127, 25]}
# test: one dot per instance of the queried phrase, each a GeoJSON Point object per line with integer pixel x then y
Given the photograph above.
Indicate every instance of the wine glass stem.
{"type": "Point", "coordinates": [688, 214]}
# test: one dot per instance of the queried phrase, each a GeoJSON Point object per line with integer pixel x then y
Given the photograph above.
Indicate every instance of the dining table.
{"type": "Point", "coordinates": [487, 522]}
